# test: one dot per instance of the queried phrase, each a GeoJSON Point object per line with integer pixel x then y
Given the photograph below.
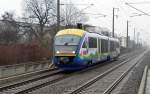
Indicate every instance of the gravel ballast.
{"type": "Point", "coordinates": [130, 85]}
{"type": "Point", "coordinates": [73, 82]}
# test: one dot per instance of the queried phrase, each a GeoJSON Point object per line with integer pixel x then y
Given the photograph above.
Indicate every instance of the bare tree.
{"type": "Point", "coordinates": [41, 14]}
{"type": "Point", "coordinates": [41, 11]}
{"type": "Point", "coordinates": [9, 29]}
{"type": "Point", "coordinates": [27, 32]}
{"type": "Point", "coordinates": [71, 15]}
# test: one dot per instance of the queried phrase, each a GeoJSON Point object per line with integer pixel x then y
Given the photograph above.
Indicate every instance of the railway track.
{"type": "Point", "coordinates": [118, 80]}
{"type": "Point", "coordinates": [43, 74]}
{"type": "Point", "coordinates": [100, 78]}
{"type": "Point", "coordinates": [36, 83]}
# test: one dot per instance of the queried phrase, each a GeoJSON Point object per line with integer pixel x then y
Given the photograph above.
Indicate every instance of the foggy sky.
{"type": "Point", "coordinates": [141, 23]}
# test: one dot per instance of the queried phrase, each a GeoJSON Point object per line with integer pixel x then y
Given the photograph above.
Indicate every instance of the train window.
{"type": "Point", "coordinates": [114, 43]}
{"type": "Point", "coordinates": [99, 45]}
{"type": "Point", "coordinates": [84, 45]}
{"type": "Point", "coordinates": [117, 45]}
{"type": "Point", "coordinates": [104, 46]}
{"type": "Point", "coordinates": [114, 46]}
{"type": "Point", "coordinates": [92, 42]}
{"type": "Point", "coordinates": [67, 39]}
{"type": "Point", "coordinates": [111, 46]}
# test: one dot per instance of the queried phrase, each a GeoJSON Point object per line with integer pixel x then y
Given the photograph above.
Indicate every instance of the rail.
{"type": "Point", "coordinates": [136, 60]}
{"type": "Point", "coordinates": [16, 69]}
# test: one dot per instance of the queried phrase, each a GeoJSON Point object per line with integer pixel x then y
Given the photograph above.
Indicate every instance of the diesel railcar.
{"type": "Point", "coordinates": [75, 49]}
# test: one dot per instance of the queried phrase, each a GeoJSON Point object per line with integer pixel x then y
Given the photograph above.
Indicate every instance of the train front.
{"type": "Point", "coordinates": [67, 46]}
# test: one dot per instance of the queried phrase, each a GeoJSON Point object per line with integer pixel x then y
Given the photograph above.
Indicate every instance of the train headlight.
{"type": "Point", "coordinates": [57, 52]}
{"type": "Point", "coordinates": [73, 52]}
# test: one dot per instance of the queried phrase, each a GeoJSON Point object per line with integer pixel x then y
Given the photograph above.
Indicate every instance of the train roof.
{"type": "Point", "coordinates": [95, 34]}
{"type": "Point", "coordinates": [114, 39]}
{"type": "Point", "coordinates": [81, 33]}
{"type": "Point", "coordinates": [78, 32]}
{"type": "Point", "coordinates": [91, 34]}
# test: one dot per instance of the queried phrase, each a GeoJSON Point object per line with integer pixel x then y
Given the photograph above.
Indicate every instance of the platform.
{"type": "Point", "coordinates": [145, 82]}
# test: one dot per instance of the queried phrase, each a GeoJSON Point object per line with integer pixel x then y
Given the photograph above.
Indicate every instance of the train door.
{"type": "Point", "coordinates": [104, 49]}
{"type": "Point", "coordinates": [93, 49]}
{"type": "Point", "coordinates": [84, 49]}
{"type": "Point", "coordinates": [109, 45]}
{"type": "Point", "coordinates": [99, 48]}
{"type": "Point", "coordinates": [118, 47]}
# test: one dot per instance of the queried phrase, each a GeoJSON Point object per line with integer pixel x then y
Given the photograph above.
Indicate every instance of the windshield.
{"type": "Point", "coordinates": [65, 49]}
{"type": "Point", "coordinates": [66, 43]}
{"type": "Point", "coordinates": [67, 40]}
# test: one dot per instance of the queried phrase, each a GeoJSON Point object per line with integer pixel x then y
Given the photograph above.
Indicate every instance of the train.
{"type": "Point", "coordinates": [75, 49]}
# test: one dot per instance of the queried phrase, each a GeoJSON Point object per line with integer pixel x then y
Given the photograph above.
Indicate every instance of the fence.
{"type": "Point", "coordinates": [16, 69]}
{"type": "Point", "coordinates": [19, 53]}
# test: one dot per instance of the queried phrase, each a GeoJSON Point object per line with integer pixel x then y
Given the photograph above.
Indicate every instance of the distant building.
{"type": "Point", "coordinates": [123, 41]}
{"type": "Point", "coordinates": [100, 30]}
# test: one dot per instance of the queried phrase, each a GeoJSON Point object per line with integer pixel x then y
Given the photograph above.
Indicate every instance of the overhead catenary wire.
{"type": "Point", "coordinates": [137, 9]}
{"type": "Point", "coordinates": [104, 15]}
{"type": "Point", "coordinates": [140, 3]}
